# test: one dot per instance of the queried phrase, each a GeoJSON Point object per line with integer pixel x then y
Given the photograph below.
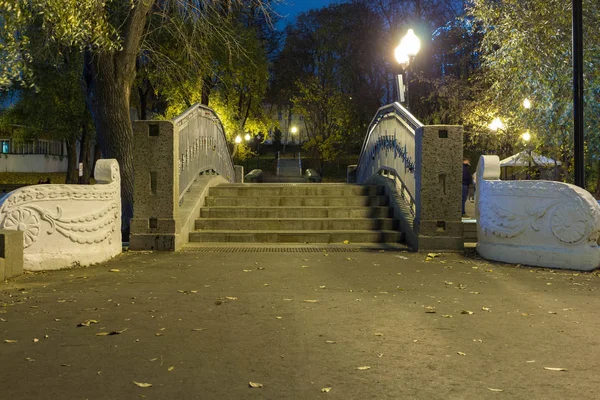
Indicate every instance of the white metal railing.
{"type": "Point", "coordinates": [202, 146]}
{"type": "Point", "coordinates": [390, 147]}
{"type": "Point", "coordinates": [300, 163]}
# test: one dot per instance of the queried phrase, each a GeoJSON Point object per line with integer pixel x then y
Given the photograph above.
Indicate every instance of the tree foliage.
{"type": "Point", "coordinates": [526, 53]}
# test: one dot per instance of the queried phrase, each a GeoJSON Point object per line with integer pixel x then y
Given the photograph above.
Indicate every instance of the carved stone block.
{"type": "Point", "coordinates": [541, 223]}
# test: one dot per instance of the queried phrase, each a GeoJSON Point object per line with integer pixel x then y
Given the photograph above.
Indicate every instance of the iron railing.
{"type": "Point", "coordinates": [390, 147]}
{"type": "Point", "coordinates": [203, 146]}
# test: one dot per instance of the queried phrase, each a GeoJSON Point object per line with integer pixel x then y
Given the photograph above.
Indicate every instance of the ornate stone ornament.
{"type": "Point", "coordinates": [64, 225]}
{"type": "Point", "coordinates": [542, 223]}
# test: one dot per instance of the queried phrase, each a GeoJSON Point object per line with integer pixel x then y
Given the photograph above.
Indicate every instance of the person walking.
{"type": "Point", "coordinates": [467, 181]}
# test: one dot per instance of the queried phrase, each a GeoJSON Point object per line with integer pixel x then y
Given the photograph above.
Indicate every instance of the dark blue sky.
{"type": "Point", "coordinates": [293, 7]}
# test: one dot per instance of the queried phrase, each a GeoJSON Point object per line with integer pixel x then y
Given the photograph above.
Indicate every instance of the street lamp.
{"type": "Point", "coordinates": [496, 124]}
{"type": "Point", "coordinates": [526, 104]}
{"type": "Point", "coordinates": [238, 139]}
{"type": "Point", "coordinates": [247, 137]}
{"type": "Point", "coordinates": [526, 136]}
{"type": "Point", "coordinates": [405, 52]}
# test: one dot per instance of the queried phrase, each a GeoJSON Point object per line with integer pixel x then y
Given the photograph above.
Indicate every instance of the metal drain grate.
{"type": "Point", "coordinates": [277, 249]}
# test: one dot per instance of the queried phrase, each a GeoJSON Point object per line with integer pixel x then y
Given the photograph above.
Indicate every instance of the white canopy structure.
{"type": "Point", "coordinates": [523, 158]}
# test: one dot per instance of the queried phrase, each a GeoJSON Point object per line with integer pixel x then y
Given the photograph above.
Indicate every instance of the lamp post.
{"type": "Point", "coordinates": [526, 138]}
{"type": "Point", "coordinates": [405, 53]}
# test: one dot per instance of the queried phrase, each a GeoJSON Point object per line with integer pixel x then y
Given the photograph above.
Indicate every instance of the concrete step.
{"type": "Point", "coordinates": [295, 212]}
{"type": "Point", "coordinates": [260, 236]}
{"type": "Point", "coordinates": [299, 189]}
{"type": "Point", "coordinates": [470, 230]}
{"type": "Point", "coordinates": [296, 201]}
{"type": "Point", "coordinates": [296, 224]}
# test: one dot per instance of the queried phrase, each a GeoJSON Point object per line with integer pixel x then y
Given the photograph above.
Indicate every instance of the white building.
{"type": "Point", "coordinates": [32, 155]}
{"type": "Point", "coordinates": [291, 125]}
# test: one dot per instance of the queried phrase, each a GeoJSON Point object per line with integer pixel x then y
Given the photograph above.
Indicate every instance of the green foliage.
{"type": "Point", "coordinates": [526, 53]}
{"type": "Point", "coordinates": [327, 116]}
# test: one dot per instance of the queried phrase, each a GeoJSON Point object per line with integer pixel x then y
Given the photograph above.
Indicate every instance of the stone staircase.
{"type": "Point", "coordinates": [296, 213]}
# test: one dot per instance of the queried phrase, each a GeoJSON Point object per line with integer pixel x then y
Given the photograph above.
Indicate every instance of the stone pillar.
{"type": "Point", "coordinates": [239, 173]}
{"type": "Point", "coordinates": [438, 175]}
{"type": "Point", "coordinates": [155, 224]}
{"type": "Point", "coordinates": [11, 254]}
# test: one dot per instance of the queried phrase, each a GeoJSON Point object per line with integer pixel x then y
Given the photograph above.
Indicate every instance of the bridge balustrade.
{"type": "Point", "coordinates": [421, 168]}
{"type": "Point", "coordinates": [169, 158]}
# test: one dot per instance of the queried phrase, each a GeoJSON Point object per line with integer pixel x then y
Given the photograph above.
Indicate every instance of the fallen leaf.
{"type": "Point", "coordinates": [555, 369]}
{"type": "Point", "coordinates": [330, 341]}
{"type": "Point", "coordinates": [474, 292]}
{"type": "Point", "coordinates": [363, 368]}
{"type": "Point", "coordinates": [485, 309]}
{"type": "Point", "coordinates": [171, 368]}
{"type": "Point", "coordinates": [158, 334]}
{"type": "Point", "coordinates": [379, 355]}
{"type": "Point", "coordinates": [111, 333]}
{"type": "Point", "coordinates": [430, 310]}
{"type": "Point", "coordinates": [10, 341]}
{"type": "Point", "coordinates": [35, 340]}
{"type": "Point", "coordinates": [198, 329]}
{"type": "Point", "coordinates": [467, 312]}
{"type": "Point", "coordinates": [288, 299]}
{"type": "Point", "coordinates": [448, 283]}
{"type": "Point", "coordinates": [279, 317]}
{"type": "Point", "coordinates": [378, 334]}
{"type": "Point", "coordinates": [29, 359]}
{"type": "Point", "coordinates": [447, 316]}
{"type": "Point", "coordinates": [114, 270]}
{"type": "Point", "coordinates": [87, 322]}
{"type": "Point", "coordinates": [231, 298]}
{"type": "Point", "coordinates": [348, 258]}
{"type": "Point", "coordinates": [551, 312]}
{"type": "Point", "coordinates": [433, 255]}
{"type": "Point", "coordinates": [142, 384]}
{"type": "Point", "coordinates": [402, 257]}
{"type": "Point", "coordinates": [460, 353]}
{"type": "Point", "coordinates": [305, 266]}
{"type": "Point", "coordinates": [255, 385]}
{"type": "Point", "coordinates": [321, 287]}
{"type": "Point", "coordinates": [311, 301]}
{"type": "Point", "coordinates": [346, 241]}
{"type": "Point", "coordinates": [326, 390]}
{"type": "Point", "coordinates": [495, 390]}
{"type": "Point", "coordinates": [247, 270]}
{"type": "Point", "coordinates": [530, 361]}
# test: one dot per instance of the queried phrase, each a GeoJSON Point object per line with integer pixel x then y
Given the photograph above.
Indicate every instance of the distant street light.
{"type": "Point", "coordinates": [247, 137]}
{"type": "Point", "coordinates": [526, 136]}
{"type": "Point", "coordinates": [294, 130]}
{"type": "Point", "coordinates": [527, 104]}
{"type": "Point", "coordinates": [238, 139]}
{"type": "Point", "coordinates": [405, 53]}
{"type": "Point", "coordinates": [496, 124]}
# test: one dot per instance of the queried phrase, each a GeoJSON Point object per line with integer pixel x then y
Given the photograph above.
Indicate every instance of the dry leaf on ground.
{"type": "Point", "coordinates": [114, 270]}
{"type": "Point", "coordinates": [10, 341]}
{"type": "Point", "coordinates": [467, 312]}
{"type": "Point", "coordinates": [364, 368]}
{"type": "Point", "coordinates": [495, 390]}
{"type": "Point", "coordinates": [326, 390]}
{"type": "Point", "coordinates": [460, 353]}
{"type": "Point", "coordinates": [346, 241]}
{"type": "Point", "coordinates": [198, 329]}
{"type": "Point", "coordinates": [311, 301]}
{"type": "Point", "coordinates": [142, 384]}
{"type": "Point", "coordinates": [378, 334]}
{"type": "Point", "coordinates": [171, 368]}
{"type": "Point", "coordinates": [255, 384]}
{"type": "Point", "coordinates": [231, 298]}
{"type": "Point", "coordinates": [111, 333]}
{"type": "Point", "coordinates": [87, 322]}
{"type": "Point", "coordinates": [554, 369]}
{"type": "Point", "coordinates": [330, 341]}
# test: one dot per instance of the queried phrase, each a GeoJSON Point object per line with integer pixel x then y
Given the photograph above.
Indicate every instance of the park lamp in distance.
{"type": "Point", "coordinates": [294, 130]}
{"type": "Point", "coordinates": [496, 124]}
{"type": "Point", "coordinates": [238, 139]}
{"type": "Point", "coordinates": [247, 137]}
{"type": "Point", "coordinates": [526, 136]}
{"type": "Point", "coordinates": [527, 104]}
{"type": "Point", "coordinates": [408, 48]}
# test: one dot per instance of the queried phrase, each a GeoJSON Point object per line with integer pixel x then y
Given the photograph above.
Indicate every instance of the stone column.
{"type": "Point", "coordinates": [438, 175]}
{"type": "Point", "coordinates": [155, 224]}
{"type": "Point", "coordinates": [11, 254]}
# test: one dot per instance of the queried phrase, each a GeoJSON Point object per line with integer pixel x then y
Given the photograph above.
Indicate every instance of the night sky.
{"type": "Point", "coordinates": [291, 8]}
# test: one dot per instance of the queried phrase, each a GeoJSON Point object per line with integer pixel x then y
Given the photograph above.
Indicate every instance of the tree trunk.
{"type": "Point", "coordinates": [72, 170]}
{"type": "Point", "coordinates": [107, 95]}
{"type": "Point", "coordinates": [206, 88]}
{"type": "Point", "coordinates": [108, 77]}
{"type": "Point", "coordinates": [97, 155]}
{"type": "Point", "coordinates": [84, 154]}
